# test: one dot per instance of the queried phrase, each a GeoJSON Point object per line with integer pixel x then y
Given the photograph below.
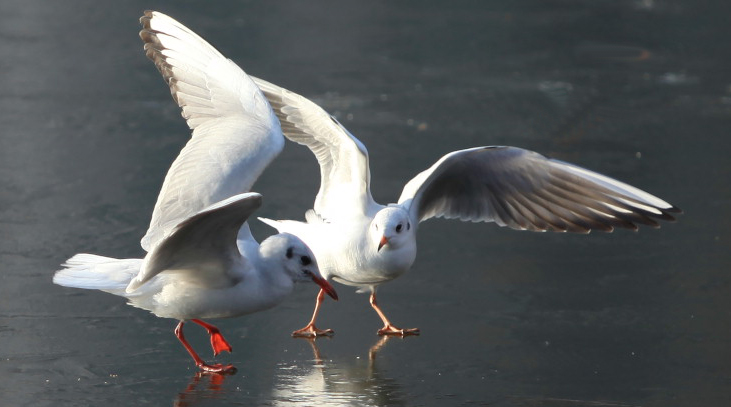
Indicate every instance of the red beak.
{"type": "Point", "coordinates": [325, 286]}
{"type": "Point", "coordinates": [382, 243]}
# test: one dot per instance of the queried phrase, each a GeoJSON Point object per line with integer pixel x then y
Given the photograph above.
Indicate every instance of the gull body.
{"type": "Point", "coordinates": [202, 261]}
{"type": "Point", "coordinates": [362, 243]}
{"type": "Point", "coordinates": [198, 271]}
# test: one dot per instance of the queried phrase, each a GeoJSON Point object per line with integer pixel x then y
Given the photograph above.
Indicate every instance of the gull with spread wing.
{"type": "Point", "coordinates": [361, 243]}
{"type": "Point", "coordinates": [202, 260]}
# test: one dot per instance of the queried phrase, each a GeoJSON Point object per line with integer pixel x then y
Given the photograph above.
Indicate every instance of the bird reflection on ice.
{"type": "Point", "coordinates": [337, 383]}
{"type": "Point", "coordinates": [192, 394]}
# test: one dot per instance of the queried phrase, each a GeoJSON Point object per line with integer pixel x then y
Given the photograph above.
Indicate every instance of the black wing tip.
{"type": "Point", "coordinates": [146, 17]}
{"type": "Point", "coordinates": [633, 223]}
{"type": "Point", "coordinates": [650, 219]}
{"type": "Point", "coordinates": [668, 214]}
{"type": "Point", "coordinates": [146, 20]}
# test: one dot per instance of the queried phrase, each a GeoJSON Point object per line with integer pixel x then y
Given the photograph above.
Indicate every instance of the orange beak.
{"type": "Point", "coordinates": [382, 243]}
{"type": "Point", "coordinates": [327, 287]}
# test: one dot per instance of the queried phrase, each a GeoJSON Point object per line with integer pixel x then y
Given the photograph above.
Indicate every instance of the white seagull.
{"type": "Point", "coordinates": [361, 243]}
{"type": "Point", "coordinates": [202, 260]}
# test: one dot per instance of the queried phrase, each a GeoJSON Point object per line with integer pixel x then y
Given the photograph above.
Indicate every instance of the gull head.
{"type": "Point", "coordinates": [391, 228]}
{"type": "Point", "coordinates": [297, 260]}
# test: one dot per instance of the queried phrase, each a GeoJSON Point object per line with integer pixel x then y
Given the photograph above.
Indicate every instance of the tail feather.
{"type": "Point", "coordinates": [94, 272]}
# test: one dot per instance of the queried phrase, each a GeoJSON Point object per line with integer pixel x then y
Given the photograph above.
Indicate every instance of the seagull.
{"type": "Point", "coordinates": [198, 271]}
{"type": "Point", "coordinates": [361, 243]}
{"type": "Point", "coordinates": [202, 261]}
{"type": "Point", "coordinates": [357, 241]}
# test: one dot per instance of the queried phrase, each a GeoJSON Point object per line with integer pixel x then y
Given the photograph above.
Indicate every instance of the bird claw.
{"type": "Point", "coordinates": [311, 331]}
{"type": "Point", "coordinates": [392, 330]}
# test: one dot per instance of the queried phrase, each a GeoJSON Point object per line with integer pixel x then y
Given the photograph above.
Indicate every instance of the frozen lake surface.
{"type": "Point", "coordinates": [636, 89]}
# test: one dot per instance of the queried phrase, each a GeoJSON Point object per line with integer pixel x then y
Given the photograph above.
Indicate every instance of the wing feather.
{"type": "Point", "coordinates": [343, 159]}
{"type": "Point", "coordinates": [235, 132]}
{"type": "Point", "coordinates": [203, 246]}
{"type": "Point", "coordinates": [524, 190]}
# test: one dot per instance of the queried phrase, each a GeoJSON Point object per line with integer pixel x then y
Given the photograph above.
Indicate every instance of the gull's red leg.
{"type": "Point", "coordinates": [310, 330]}
{"type": "Point", "coordinates": [388, 327]}
{"type": "Point", "coordinates": [217, 368]}
{"type": "Point", "coordinates": [218, 343]}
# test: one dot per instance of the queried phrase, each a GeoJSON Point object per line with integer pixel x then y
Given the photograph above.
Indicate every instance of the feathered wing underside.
{"type": "Point", "coordinates": [203, 247]}
{"type": "Point", "coordinates": [343, 159]}
{"type": "Point", "coordinates": [524, 190]}
{"type": "Point", "coordinates": [235, 132]}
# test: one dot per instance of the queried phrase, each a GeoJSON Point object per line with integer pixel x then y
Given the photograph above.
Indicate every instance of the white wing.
{"type": "Point", "coordinates": [202, 248]}
{"type": "Point", "coordinates": [235, 132]}
{"type": "Point", "coordinates": [524, 190]}
{"type": "Point", "coordinates": [344, 173]}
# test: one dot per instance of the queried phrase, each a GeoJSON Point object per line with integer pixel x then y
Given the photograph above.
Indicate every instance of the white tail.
{"type": "Point", "coordinates": [98, 273]}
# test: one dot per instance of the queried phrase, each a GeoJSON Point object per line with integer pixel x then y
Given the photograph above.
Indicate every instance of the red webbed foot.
{"type": "Point", "coordinates": [219, 343]}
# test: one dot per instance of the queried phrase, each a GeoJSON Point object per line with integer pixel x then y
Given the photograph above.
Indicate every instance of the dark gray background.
{"type": "Point", "coordinates": [636, 89]}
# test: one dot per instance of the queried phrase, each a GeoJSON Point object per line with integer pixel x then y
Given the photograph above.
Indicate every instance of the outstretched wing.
{"type": "Point", "coordinates": [235, 132]}
{"type": "Point", "coordinates": [524, 190]}
{"type": "Point", "coordinates": [203, 247]}
{"type": "Point", "coordinates": [344, 174]}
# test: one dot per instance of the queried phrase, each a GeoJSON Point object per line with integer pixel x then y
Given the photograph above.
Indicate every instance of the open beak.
{"type": "Point", "coordinates": [327, 287]}
{"type": "Point", "coordinates": [382, 243]}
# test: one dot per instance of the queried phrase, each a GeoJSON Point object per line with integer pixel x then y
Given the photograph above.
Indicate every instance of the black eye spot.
{"type": "Point", "coordinates": [307, 272]}
{"type": "Point", "coordinates": [289, 252]}
{"type": "Point", "coordinates": [399, 227]}
{"type": "Point", "coordinates": [306, 260]}
{"type": "Point", "coordinates": [408, 226]}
